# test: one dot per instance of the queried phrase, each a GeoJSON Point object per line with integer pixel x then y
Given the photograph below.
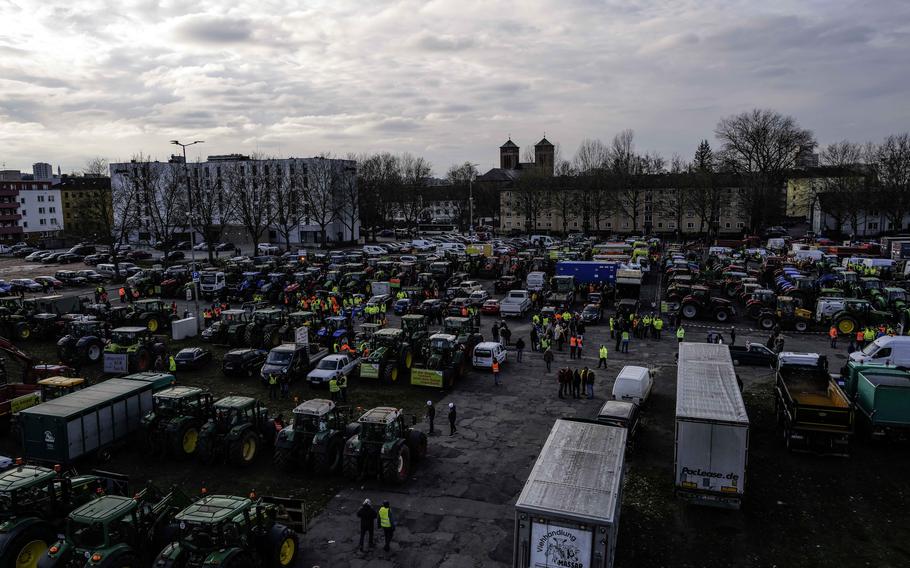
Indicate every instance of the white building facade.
{"type": "Point", "coordinates": [41, 209]}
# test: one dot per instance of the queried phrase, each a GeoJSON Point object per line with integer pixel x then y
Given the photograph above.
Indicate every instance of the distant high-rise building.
{"type": "Point", "coordinates": [42, 172]}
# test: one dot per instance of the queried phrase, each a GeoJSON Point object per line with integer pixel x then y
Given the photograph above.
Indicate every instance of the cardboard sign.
{"type": "Point", "coordinates": [302, 336]}
{"type": "Point", "coordinates": [116, 363]}
{"type": "Point", "coordinates": [427, 378]}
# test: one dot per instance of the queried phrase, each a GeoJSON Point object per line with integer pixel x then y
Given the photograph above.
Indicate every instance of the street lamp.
{"type": "Point", "coordinates": [189, 193]}
{"type": "Point", "coordinates": [471, 198]}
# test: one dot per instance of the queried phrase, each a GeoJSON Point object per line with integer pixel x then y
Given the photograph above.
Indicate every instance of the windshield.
{"type": "Point", "coordinates": [207, 278]}
{"type": "Point", "coordinates": [870, 349]}
{"type": "Point", "coordinates": [122, 338]}
{"type": "Point", "coordinates": [279, 358]}
{"type": "Point", "coordinates": [87, 536]}
{"type": "Point", "coordinates": [327, 365]}
{"type": "Point", "coordinates": [440, 344]}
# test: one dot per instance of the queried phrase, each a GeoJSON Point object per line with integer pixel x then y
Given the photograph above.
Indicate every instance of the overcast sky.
{"type": "Point", "coordinates": [448, 80]}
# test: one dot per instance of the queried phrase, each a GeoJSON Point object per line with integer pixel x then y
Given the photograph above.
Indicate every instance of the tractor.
{"type": "Point", "coordinates": [153, 313]}
{"type": "Point", "coordinates": [264, 329]}
{"type": "Point", "coordinates": [83, 342]}
{"type": "Point", "coordinates": [789, 315]}
{"type": "Point", "coordinates": [178, 413]}
{"type": "Point", "coordinates": [700, 304]}
{"type": "Point", "coordinates": [231, 532]}
{"type": "Point", "coordinates": [443, 363]}
{"type": "Point", "coordinates": [138, 344]}
{"type": "Point", "coordinates": [34, 503]}
{"type": "Point", "coordinates": [416, 328]}
{"type": "Point", "coordinates": [857, 314]}
{"type": "Point", "coordinates": [465, 330]}
{"type": "Point", "coordinates": [239, 427]}
{"type": "Point", "coordinates": [335, 331]}
{"type": "Point", "coordinates": [295, 321]}
{"type": "Point", "coordinates": [229, 329]}
{"type": "Point", "coordinates": [385, 447]}
{"type": "Point", "coordinates": [315, 438]}
{"type": "Point", "coordinates": [117, 532]}
{"type": "Point", "coordinates": [13, 322]}
{"type": "Point", "coordinates": [390, 356]}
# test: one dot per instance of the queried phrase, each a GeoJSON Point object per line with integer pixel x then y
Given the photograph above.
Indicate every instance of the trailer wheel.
{"type": "Point", "coordinates": [801, 326]}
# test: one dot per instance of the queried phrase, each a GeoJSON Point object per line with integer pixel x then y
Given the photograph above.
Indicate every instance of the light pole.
{"type": "Point", "coordinates": [471, 198]}
{"type": "Point", "coordinates": [189, 193]}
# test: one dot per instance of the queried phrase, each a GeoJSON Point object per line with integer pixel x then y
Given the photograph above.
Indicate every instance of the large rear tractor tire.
{"type": "Point", "coordinates": [186, 440]}
{"type": "Point", "coordinates": [281, 547]}
{"type": "Point", "coordinates": [846, 326]}
{"type": "Point", "coordinates": [238, 559]}
{"type": "Point", "coordinates": [243, 451]}
{"type": "Point", "coordinates": [690, 311]}
{"type": "Point", "coordinates": [93, 352]}
{"type": "Point", "coordinates": [153, 323]}
{"type": "Point", "coordinates": [407, 359]}
{"type": "Point", "coordinates": [283, 459]}
{"type": "Point", "coordinates": [330, 460]}
{"type": "Point", "coordinates": [29, 546]}
{"type": "Point", "coordinates": [350, 467]}
{"type": "Point", "coordinates": [205, 449]}
{"type": "Point", "coordinates": [417, 442]}
{"type": "Point", "coordinates": [22, 331]}
{"type": "Point", "coordinates": [397, 468]}
{"type": "Point", "coordinates": [767, 322]}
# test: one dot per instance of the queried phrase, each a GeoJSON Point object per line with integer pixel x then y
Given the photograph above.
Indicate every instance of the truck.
{"type": "Point", "coordinates": [628, 284]}
{"type": "Point", "coordinates": [883, 401]}
{"type": "Point", "coordinates": [813, 412]}
{"type": "Point", "coordinates": [712, 427]}
{"type": "Point", "coordinates": [568, 511]}
{"type": "Point", "coordinates": [562, 292]}
{"type": "Point", "coordinates": [15, 397]}
{"type": "Point", "coordinates": [89, 422]}
{"type": "Point", "coordinates": [588, 271]}
{"type": "Point", "coordinates": [516, 303]}
{"type": "Point", "coordinates": [443, 364]}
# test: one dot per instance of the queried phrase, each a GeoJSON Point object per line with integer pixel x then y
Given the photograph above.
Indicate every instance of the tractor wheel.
{"type": "Point", "coordinates": [248, 336]}
{"type": "Point", "coordinates": [92, 352]}
{"type": "Point", "coordinates": [272, 338]}
{"type": "Point", "coordinates": [389, 373]}
{"type": "Point", "coordinates": [186, 442]}
{"type": "Point", "coordinates": [801, 326]}
{"type": "Point", "coordinates": [407, 358]}
{"type": "Point", "coordinates": [350, 467]}
{"type": "Point", "coordinates": [846, 326]}
{"type": "Point", "coordinates": [125, 560]}
{"type": "Point", "coordinates": [766, 322]}
{"type": "Point", "coordinates": [143, 360]}
{"type": "Point", "coordinates": [30, 546]}
{"type": "Point", "coordinates": [417, 443]}
{"type": "Point", "coordinates": [281, 546]}
{"type": "Point", "coordinates": [282, 458]}
{"type": "Point", "coordinates": [23, 331]}
{"type": "Point", "coordinates": [689, 311]}
{"type": "Point", "coordinates": [152, 323]}
{"type": "Point", "coordinates": [330, 460]}
{"type": "Point", "coordinates": [397, 468]}
{"type": "Point", "coordinates": [243, 450]}
{"type": "Point", "coordinates": [722, 316]}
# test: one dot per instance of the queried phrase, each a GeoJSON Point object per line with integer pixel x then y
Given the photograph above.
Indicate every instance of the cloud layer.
{"type": "Point", "coordinates": [444, 79]}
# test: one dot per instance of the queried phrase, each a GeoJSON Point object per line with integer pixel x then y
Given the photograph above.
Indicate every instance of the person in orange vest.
{"type": "Point", "coordinates": [832, 333]}
{"type": "Point", "coordinates": [464, 311]}
{"type": "Point", "coordinates": [122, 292]}
{"type": "Point", "coordinates": [496, 372]}
{"type": "Point", "coordinates": [860, 339]}
{"type": "Point", "coordinates": [207, 317]}
{"type": "Point", "coordinates": [218, 312]}
{"type": "Point", "coordinates": [573, 345]}
{"type": "Point", "coordinates": [174, 308]}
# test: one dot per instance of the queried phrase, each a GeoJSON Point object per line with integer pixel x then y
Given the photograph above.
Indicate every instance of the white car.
{"type": "Point", "coordinates": [267, 248]}
{"type": "Point", "coordinates": [486, 352]}
{"type": "Point", "coordinates": [478, 297]}
{"type": "Point", "coordinates": [374, 250]}
{"type": "Point", "coordinates": [332, 366]}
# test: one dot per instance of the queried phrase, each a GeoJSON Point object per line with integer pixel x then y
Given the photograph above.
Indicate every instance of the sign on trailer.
{"type": "Point", "coordinates": [116, 363]}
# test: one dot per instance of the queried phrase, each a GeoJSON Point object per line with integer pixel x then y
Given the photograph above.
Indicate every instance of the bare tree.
{"type": "Point", "coordinates": [845, 187]}
{"type": "Point", "coordinates": [96, 167]}
{"type": "Point", "coordinates": [349, 196]}
{"type": "Point", "coordinates": [320, 199]}
{"type": "Point", "coordinates": [250, 197]}
{"type": "Point", "coordinates": [286, 193]}
{"type": "Point", "coordinates": [212, 208]}
{"type": "Point", "coordinates": [414, 173]}
{"type": "Point", "coordinates": [119, 219]}
{"type": "Point", "coordinates": [462, 177]}
{"type": "Point", "coordinates": [167, 212]}
{"type": "Point", "coordinates": [377, 177]}
{"type": "Point", "coordinates": [530, 196]}
{"type": "Point", "coordinates": [892, 169]}
{"type": "Point", "coordinates": [760, 146]}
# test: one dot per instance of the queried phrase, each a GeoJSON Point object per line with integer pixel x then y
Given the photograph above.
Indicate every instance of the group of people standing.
{"type": "Point", "coordinates": [578, 383]}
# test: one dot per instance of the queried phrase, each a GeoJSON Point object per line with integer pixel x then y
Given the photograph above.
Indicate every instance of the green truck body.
{"type": "Point", "coordinates": [89, 421]}
{"type": "Point", "coordinates": [883, 398]}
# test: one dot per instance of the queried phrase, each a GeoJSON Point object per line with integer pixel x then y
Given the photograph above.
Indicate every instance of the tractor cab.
{"type": "Point", "coordinates": [301, 318]}
{"type": "Point", "coordinates": [268, 316]}
{"type": "Point", "coordinates": [869, 283]}
{"type": "Point", "coordinates": [55, 387]}
{"type": "Point", "coordinates": [416, 328]}
{"type": "Point", "coordinates": [366, 332]}
{"type": "Point", "coordinates": [127, 336]}
{"type": "Point", "coordinates": [335, 327]}
{"type": "Point", "coordinates": [895, 295]}
{"type": "Point", "coordinates": [317, 415]}
{"type": "Point", "coordinates": [380, 426]}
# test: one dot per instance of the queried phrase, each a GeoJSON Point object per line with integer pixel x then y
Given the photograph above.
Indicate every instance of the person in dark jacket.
{"type": "Point", "coordinates": [431, 415]}
{"type": "Point", "coordinates": [519, 349]}
{"type": "Point", "coordinates": [367, 516]}
{"type": "Point", "coordinates": [452, 417]}
{"type": "Point", "coordinates": [548, 358]}
{"type": "Point", "coordinates": [562, 377]}
{"type": "Point", "coordinates": [576, 384]}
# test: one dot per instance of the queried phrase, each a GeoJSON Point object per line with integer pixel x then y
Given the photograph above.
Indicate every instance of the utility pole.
{"type": "Point", "coordinates": [471, 199]}
{"type": "Point", "coordinates": [189, 193]}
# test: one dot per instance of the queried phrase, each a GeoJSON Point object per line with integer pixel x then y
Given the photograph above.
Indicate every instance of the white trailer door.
{"type": "Point", "coordinates": [711, 457]}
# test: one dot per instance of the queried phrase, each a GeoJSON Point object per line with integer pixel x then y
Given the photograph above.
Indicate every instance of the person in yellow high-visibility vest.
{"type": "Point", "coordinates": [172, 364]}
{"type": "Point", "coordinates": [386, 523]}
{"type": "Point", "coordinates": [680, 334]}
{"type": "Point", "coordinates": [334, 389]}
{"type": "Point", "coordinates": [603, 357]}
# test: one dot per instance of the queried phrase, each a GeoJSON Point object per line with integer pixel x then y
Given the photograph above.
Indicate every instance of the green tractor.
{"type": "Point", "coordinates": [316, 437]}
{"type": "Point", "coordinates": [417, 331]}
{"type": "Point", "coordinates": [858, 314]}
{"type": "Point", "coordinates": [390, 356]}
{"type": "Point", "coordinates": [83, 342]}
{"type": "Point", "coordinates": [384, 447]}
{"type": "Point", "coordinates": [13, 320]}
{"type": "Point", "coordinates": [230, 532]}
{"type": "Point", "coordinates": [239, 427]}
{"type": "Point", "coordinates": [894, 299]}
{"type": "Point", "coordinates": [34, 503]}
{"type": "Point", "coordinates": [297, 320]}
{"type": "Point", "coordinates": [138, 344]}
{"type": "Point", "coordinates": [153, 313]}
{"type": "Point", "coordinates": [264, 331]}
{"type": "Point", "coordinates": [465, 330]}
{"type": "Point", "coordinates": [443, 364]}
{"type": "Point", "coordinates": [117, 532]}
{"type": "Point", "coordinates": [178, 413]}
{"type": "Point", "coordinates": [229, 330]}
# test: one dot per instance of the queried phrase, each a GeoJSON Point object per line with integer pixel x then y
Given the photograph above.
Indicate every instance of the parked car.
{"type": "Point", "coordinates": [192, 358]}
{"type": "Point", "coordinates": [333, 366]}
{"type": "Point", "coordinates": [70, 278]}
{"type": "Point", "coordinates": [243, 362]}
{"type": "Point", "coordinates": [139, 255]}
{"type": "Point", "coordinates": [90, 275]}
{"type": "Point", "coordinates": [68, 257]}
{"type": "Point", "coordinates": [49, 282]}
{"type": "Point", "coordinates": [267, 248]}
{"type": "Point", "coordinates": [95, 259]}
{"type": "Point", "coordinates": [201, 246]}
{"type": "Point", "coordinates": [291, 360]}
{"type": "Point", "coordinates": [478, 297]}
{"type": "Point", "coordinates": [37, 255]}
{"type": "Point", "coordinates": [622, 414]}
{"type": "Point", "coordinates": [24, 251]}
{"type": "Point", "coordinates": [172, 256]}
{"type": "Point", "coordinates": [52, 257]}
{"type": "Point", "coordinates": [753, 354]}
{"type": "Point", "coordinates": [633, 384]}
{"type": "Point", "coordinates": [486, 352]}
{"type": "Point", "coordinates": [182, 245]}
{"type": "Point", "coordinates": [490, 307]}
{"type": "Point", "coordinates": [221, 247]}
{"type": "Point", "coordinates": [26, 285]}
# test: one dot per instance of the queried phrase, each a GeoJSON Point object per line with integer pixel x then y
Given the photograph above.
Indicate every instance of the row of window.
{"type": "Point", "coordinates": [40, 199]}
{"type": "Point", "coordinates": [53, 221]}
{"type": "Point", "coordinates": [40, 211]}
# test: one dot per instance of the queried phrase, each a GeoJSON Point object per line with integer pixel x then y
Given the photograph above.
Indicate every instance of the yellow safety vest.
{"type": "Point", "coordinates": [603, 352]}
{"type": "Point", "coordinates": [333, 385]}
{"type": "Point", "coordinates": [385, 518]}
{"type": "Point", "coordinates": [658, 324]}
{"type": "Point", "coordinates": [680, 333]}
{"type": "Point", "coordinates": [273, 380]}
{"type": "Point", "coordinates": [172, 364]}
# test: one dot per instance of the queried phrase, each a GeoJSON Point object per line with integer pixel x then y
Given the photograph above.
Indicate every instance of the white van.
{"type": "Point", "coordinates": [546, 240]}
{"type": "Point", "coordinates": [451, 247]}
{"type": "Point", "coordinates": [885, 350]}
{"type": "Point", "coordinates": [536, 281]}
{"type": "Point", "coordinates": [374, 250]}
{"type": "Point", "coordinates": [485, 352]}
{"type": "Point", "coordinates": [423, 245]}
{"type": "Point", "coordinates": [633, 384]}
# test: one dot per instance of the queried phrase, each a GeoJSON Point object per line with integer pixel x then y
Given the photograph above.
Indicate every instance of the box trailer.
{"type": "Point", "coordinates": [712, 428]}
{"type": "Point", "coordinates": [588, 271]}
{"type": "Point", "coordinates": [568, 512]}
{"type": "Point", "coordinates": [90, 421]}
{"type": "Point", "coordinates": [883, 402]}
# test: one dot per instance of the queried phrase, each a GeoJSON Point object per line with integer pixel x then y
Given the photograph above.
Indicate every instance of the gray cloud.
{"type": "Point", "coordinates": [214, 30]}
{"type": "Point", "coordinates": [432, 42]}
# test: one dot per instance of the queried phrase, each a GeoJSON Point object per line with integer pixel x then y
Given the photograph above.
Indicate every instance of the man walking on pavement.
{"type": "Point", "coordinates": [273, 386]}
{"type": "Point", "coordinates": [588, 377]}
{"type": "Point", "coordinates": [548, 358]}
{"type": "Point", "coordinates": [367, 516]}
{"type": "Point", "coordinates": [562, 377]}
{"type": "Point", "coordinates": [519, 347]}
{"type": "Point", "coordinates": [386, 523]}
{"type": "Point", "coordinates": [452, 417]}
{"type": "Point", "coordinates": [431, 415]}
{"type": "Point", "coordinates": [680, 334]}
{"type": "Point", "coordinates": [603, 357]}
{"type": "Point", "coordinates": [832, 333]}
{"type": "Point", "coordinates": [732, 335]}
{"type": "Point", "coordinates": [572, 346]}
{"type": "Point", "coordinates": [495, 368]}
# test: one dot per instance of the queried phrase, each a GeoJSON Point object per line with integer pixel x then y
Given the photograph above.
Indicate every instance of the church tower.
{"type": "Point", "coordinates": [508, 155]}
{"type": "Point", "coordinates": [544, 156]}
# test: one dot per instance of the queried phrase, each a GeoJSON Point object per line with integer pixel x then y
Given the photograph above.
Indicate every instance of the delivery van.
{"type": "Point", "coordinates": [633, 384]}
{"type": "Point", "coordinates": [886, 350]}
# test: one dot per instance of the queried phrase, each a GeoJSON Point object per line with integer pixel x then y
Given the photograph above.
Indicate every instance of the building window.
{"type": "Point", "coordinates": [53, 209]}
{"type": "Point", "coordinates": [726, 225]}
{"type": "Point", "coordinates": [690, 225]}
{"type": "Point", "coordinates": [43, 222]}
{"type": "Point", "coordinates": [740, 225]}
{"type": "Point", "coordinates": [50, 197]}
{"type": "Point", "coordinates": [53, 221]}
{"type": "Point", "coordinates": [660, 225]}
{"type": "Point", "coordinates": [40, 199]}
{"type": "Point", "coordinates": [24, 212]}
{"type": "Point", "coordinates": [872, 226]}
{"type": "Point", "coordinates": [25, 224]}
{"type": "Point", "coordinates": [41, 210]}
